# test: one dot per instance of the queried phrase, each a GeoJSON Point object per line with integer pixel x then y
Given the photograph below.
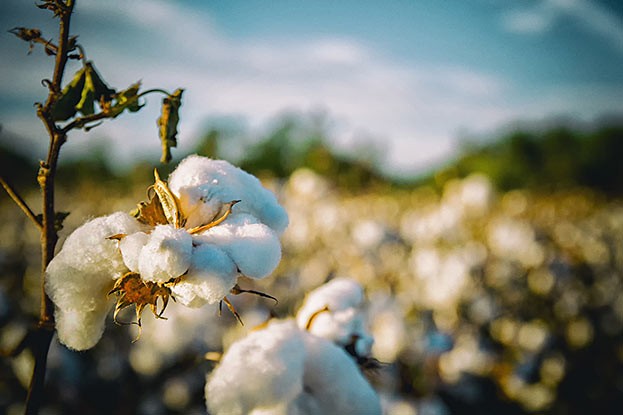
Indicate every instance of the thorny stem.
{"type": "Point", "coordinates": [49, 236]}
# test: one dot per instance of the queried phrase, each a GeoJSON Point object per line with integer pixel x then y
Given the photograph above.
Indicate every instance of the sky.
{"type": "Point", "coordinates": [415, 78]}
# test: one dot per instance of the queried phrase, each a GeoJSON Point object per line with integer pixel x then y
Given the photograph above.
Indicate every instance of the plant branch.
{"type": "Point", "coordinates": [154, 90]}
{"type": "Point", "coordinates": [21, 203]}
{"type": "Point", "coordinates": [82, 121]}
{"type": "Point", "coordinates": [49, 236]}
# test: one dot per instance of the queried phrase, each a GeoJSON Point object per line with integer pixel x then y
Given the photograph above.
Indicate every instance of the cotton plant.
{"type": "Point", "coordinates": [191, 241]}
{"type": "Point", "coordinates": [304, 366]}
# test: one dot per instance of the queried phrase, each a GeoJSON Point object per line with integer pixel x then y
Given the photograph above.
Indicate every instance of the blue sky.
{"type": "Point", "coordinates": [416, 77]}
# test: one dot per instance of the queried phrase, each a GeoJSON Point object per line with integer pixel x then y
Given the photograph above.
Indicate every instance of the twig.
{"type": "Point", "coordinates": [21, 203]}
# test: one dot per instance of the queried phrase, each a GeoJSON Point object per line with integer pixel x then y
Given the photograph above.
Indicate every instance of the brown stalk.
{"type": "Point", "coordinates": [49, 237]}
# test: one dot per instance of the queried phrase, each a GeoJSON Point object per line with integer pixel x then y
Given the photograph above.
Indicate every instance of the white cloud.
{"type": "Point", "coordinates": [415, 111]}
{"type": "Point", "coordinates": [588, 14]}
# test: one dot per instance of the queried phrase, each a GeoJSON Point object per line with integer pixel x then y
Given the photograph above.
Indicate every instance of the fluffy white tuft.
{"type": "Point", "coordinates": [263, 370]}
{"type": "Point", "coordinates": [204, 185]}
{"type": "Point", "coordinates": [80, 276]}
{"type": "Point", "coordinates": [254, 247]}
{"type": "Point", "coordinates": [332, 383]}
{"type": "Point", "coordinates": [131, 246]}
{"type": "Point", "coordinates": [343, 318]}
{"type": "Point", "coordinates": [212, 274]}
{"type": "Point", "coordinates": [284, 370]}
{"type": "Point", "coordinates": [166, 254]}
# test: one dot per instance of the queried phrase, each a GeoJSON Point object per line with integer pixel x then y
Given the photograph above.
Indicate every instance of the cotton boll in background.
{"type": "Point", "coordinates": [284, 370]}
{"type": "Point", "coordinates": [187, 331]}
{"type": "Point", "coordinates": [332, 383]}
{"type": "Point", "coordinates": [334, 311]}
{"type": "Point", "coordinates": [264, 369]}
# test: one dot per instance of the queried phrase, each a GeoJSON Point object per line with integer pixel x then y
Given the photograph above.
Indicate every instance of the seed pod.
{"type": "Point", "coordinates": [168, 201]}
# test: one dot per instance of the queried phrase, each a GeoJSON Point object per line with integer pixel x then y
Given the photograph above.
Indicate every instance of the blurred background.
{"type": "Point", "coordinates": [461, 159]}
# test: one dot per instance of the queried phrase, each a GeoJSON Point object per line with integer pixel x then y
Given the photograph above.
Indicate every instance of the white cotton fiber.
{"type": "Point", "coordinates": [88, 247]}
{"type": "Point", "coordinates": [81, 329]}
{"type": "Point", "coordinates": [332, 383]}
{"type": "Point", "coordinates": [131, 246]}
{"type": "Point", "coordinates": [282, 370]}
{"type": "Point", "coordinates": [343, 318]}
{"type": "Point", "coordinates": [204, 185]}
{"type": "Point", "coordinates": [262, 370]}
{"type": "Point", "coordinates": [80, 276]}
{"type": "Point", "coordinates": [166, 254]}
{"type": "Point", "coordinates": [254, 247]}
{"type": "Point", "coordinates": [212, 274]}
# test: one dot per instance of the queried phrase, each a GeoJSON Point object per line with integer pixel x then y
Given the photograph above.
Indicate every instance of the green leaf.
{"type": "Point", "coordinates": [167, 123]}
{"type": "Point", "coordinates": [65, 107]}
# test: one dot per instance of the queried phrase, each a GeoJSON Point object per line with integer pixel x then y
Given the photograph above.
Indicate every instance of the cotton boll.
{"type": "Point", "coordinates": [337, 327]}
{"type": "Point", "coordinates": [332, 383]}
{"type": "Point", "coordinates": [262, 370]}
{"type": "Point", "coordinates": [212, 274]}
{"type": "Point", "coordinates": [166, 255]}
{"type": "Point", "coordinates": [342, 320]}
{"type": "Point", "coordinates": [199, 180]}
{"type": "Point", "coordinates": [254, 247]}
{"type": "Point", "coordinates": [337, 294]}
{"type": "Point", "coordinates": [131, 246]}
{"type": "Point", "coordinates": [284, 370]}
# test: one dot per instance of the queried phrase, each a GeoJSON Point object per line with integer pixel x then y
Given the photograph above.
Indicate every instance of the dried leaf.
{"type": "Point", "coordinates": [86, 105]}
{"type": "Point", "coordinates": [167, 123]}
{"type": "Point", "coordinates": [126, 99]}
{"type": "Point", "coordinates": [26, 34]}
{"type": "Point", "coordinates": [65, 107]}
{"type": "Point", "coordinates": [94, 90]}
{"type": "Point", "coordinates": [102, 91]}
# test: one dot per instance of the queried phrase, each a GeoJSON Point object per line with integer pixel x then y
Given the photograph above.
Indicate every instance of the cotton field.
{"type": "Point", "coordinates": [474, 302]}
